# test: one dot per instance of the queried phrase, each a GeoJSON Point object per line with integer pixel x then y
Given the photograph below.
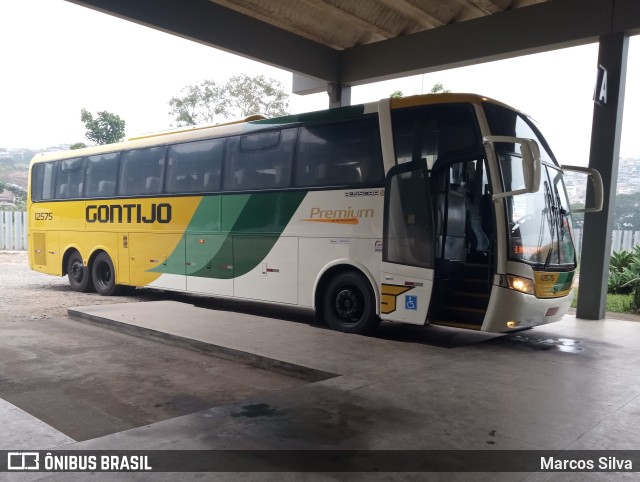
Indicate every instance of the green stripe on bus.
{"type": "Point", "coordinates": [251, 224]}
{"type": "Point", "coordinates": [564, 282]}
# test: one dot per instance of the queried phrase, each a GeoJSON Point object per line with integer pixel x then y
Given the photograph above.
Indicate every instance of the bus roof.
{"type": "Point", "coordinates": [257, 122]}
{"type": "Point", "coordinates": [442, 98]}
{"type": "Point", "coordinates": [197, 127]}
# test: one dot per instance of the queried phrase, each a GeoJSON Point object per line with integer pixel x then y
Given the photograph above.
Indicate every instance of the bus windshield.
{"type": "Point", "coordinates": [539, 223]}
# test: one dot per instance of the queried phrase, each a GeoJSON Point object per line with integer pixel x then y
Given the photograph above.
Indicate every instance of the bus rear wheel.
{"type": "Point", "coordinates": [349, 304]}
{"type": "Point", "coordinates": [104, 275]}
{"type": "Point", "coordinates": [79, 275]}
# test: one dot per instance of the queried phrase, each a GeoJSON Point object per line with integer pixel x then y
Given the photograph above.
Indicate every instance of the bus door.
{"type": "Point", "coordinates": [464, 233]}
{"type": "Point", "coordinates": [408, 247]}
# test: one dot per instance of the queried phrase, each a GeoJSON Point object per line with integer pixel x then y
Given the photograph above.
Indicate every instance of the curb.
{"type": "Point", "coordinates": [255, 360]}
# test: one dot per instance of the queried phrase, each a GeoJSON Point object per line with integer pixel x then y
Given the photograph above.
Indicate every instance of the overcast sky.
{"type": "Point", "coordinates": [57, 58]}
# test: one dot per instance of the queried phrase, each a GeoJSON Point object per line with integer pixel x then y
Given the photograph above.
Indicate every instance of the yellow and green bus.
{"type": "Point", "coordinates": [447, 209]}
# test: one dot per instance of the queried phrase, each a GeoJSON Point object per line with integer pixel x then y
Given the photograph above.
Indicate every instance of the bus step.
{"type": "Point", "coordinates": [477, 266]}
{"type": "Point", "coordinates": [476, 271]}
{"type": "Point", "coordinates": [474, 285]}
{"type": "Point", "coordinates": [470, 299]}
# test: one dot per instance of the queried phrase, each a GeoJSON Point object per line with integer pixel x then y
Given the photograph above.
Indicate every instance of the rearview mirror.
{"type": "Point", "coordinates": [596, 182]}
{"type": "Point", "coordinates": [531, 167]}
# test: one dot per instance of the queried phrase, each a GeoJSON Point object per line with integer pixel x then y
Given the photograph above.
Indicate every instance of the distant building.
{"type": "Point", "coordinates": [628, 180]}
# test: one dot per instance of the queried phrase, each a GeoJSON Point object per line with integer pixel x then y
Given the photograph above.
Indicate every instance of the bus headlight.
{"type": "Point", "coordinates": [523, 285]}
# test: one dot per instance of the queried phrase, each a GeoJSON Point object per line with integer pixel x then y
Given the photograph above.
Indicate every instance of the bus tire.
{"type": "Point", "coordinates": [79, 274]}
{"type": "Point", "coordinates": [104, 275]}
{"type": "Point", "coordinates": [349, 304]}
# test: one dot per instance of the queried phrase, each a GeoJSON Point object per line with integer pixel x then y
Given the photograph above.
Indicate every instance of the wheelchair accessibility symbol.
{"type": "Point", "coordinates": [410, 302]}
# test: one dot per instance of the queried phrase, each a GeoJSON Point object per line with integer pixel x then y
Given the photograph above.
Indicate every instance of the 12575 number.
{"type": "Point", "coordinates": [43, 216]}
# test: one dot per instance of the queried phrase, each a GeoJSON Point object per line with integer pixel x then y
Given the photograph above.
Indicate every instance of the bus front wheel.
{"type": "Point", "coordinates": [104, 275]}
{"type": "Point", "coordinates": [349, 304]}
{"type": "Point", "coordinates": [79, 275]}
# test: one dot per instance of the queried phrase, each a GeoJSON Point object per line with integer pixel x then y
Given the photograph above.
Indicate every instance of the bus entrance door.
{"type": "Point", "coordinates": [408, 245]}
{"type": "Point", "coordinates": [464, 233]}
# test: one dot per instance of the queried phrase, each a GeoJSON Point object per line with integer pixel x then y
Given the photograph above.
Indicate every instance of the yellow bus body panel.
{"type": "Point", "coordinates": [121, 227]}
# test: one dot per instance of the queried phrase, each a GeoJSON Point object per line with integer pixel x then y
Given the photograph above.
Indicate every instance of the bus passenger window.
{"type": "Point", "coordinates": [337, 154]}
{"type": "Point", "coordinates": [195, 166]}
{"type": "Point", "coordinates": [141, 171]}
{"type": "Point", "coordinates": [69, 179]}
{"type": "Point", "coordinates": [260, 161]}
{"type": "Point", "coordinates": [102, 171]}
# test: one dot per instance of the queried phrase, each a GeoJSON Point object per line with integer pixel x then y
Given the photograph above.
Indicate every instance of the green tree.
{"type": "Point", "coordinates": [200, 104]}
{"type": "Point", "coordinates": [626, 213]}
{"type": "Point", "coordinates": [397, 94]}
{"type": "Point", "coordinates": [438, 88]}
{"type": "Point", "coordinates": [105, 128]}
{"type": "Point", "coordinates": [577, 218]}
{"type": "Point", "coordinates": [242, 95]}
{"type": "Point", "coordinates": [19, 193]}
{"type": "Point", "coordinates": [77, 145]}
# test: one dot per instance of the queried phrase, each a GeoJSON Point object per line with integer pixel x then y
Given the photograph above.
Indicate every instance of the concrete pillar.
{"type": "Point", "coordinates": [603, 156]}
{"type": "Point", "coordinates": [339, 95]}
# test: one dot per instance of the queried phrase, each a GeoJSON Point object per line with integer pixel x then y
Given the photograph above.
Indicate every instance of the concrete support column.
{"type": "Point", "coordinates": [603, 156]}
{"type": "Point", "coordinates": [339, 95]}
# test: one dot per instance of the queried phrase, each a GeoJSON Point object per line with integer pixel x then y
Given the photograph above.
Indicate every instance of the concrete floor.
{"type": "Point", "coordinates": [88, 382]}
{"type": "Point", "coordinates": [571, 385]}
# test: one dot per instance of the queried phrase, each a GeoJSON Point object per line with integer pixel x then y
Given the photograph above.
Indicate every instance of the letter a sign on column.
{"type": "Point", "coordinates": [600, 94]}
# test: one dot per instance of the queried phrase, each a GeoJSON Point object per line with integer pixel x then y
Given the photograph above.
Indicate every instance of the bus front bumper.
{"type": "Point", "coordinates": [511, 310]}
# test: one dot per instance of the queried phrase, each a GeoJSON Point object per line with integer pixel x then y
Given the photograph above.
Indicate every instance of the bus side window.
{"type": "Point", "coordinates": [102, 172]}
{"type": "Point", "coordinates": [195, 166]}
{"type": "Point", "coordinates": [141, 171]}
{"type": "Point", "coordinates": [436, 133]}
{"type": "Point", "coordinates": [69, 178]}
{"type": "Point", "coordinates": [260, 161]}
{"type": "Point", "coordinates": [337, 154]}
{"type": "Point", "coordinates": [42, 184]}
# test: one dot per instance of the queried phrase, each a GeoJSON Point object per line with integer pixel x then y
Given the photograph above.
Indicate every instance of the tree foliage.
{"type": "Point", "coordinates": [105, 128]}
{"type": "Point", "coordinates": [577, 218]}
{"type": "Point", "coordinates": [624, 275]}
{"type": "Point", "coordinates": [200, 104]}
{"type": "Point", "coordinates": [19, 193]}
{"type": "Point", "coordinates": [626, 213]}
{"type": "Point", "coordinates": [77, 145]}
{"type": "Point", "coordinates": [438, 88]}
{"type": "Point", "coordinates": [242, 95]}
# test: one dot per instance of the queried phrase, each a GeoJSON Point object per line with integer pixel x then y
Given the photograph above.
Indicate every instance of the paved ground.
{"type": "Point", "coordinates": [569, 385]}
{"type": "Point", "coordinates": [88, 382]}
{"type": "Point", "coordinates": [549, 388]}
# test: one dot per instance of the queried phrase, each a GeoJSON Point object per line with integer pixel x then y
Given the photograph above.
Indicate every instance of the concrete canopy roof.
{"type": "Point", "coordinates": [342, 24]}
{"type": "Point", "coordinates": [353, 42]}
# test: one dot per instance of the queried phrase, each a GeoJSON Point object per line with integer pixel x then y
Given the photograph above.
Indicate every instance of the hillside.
{"type": "Point", "coordinates": [14, 172]}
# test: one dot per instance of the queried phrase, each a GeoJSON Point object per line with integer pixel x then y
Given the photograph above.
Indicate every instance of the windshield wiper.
{"type": "Point", "coordinates": [554, 220]}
